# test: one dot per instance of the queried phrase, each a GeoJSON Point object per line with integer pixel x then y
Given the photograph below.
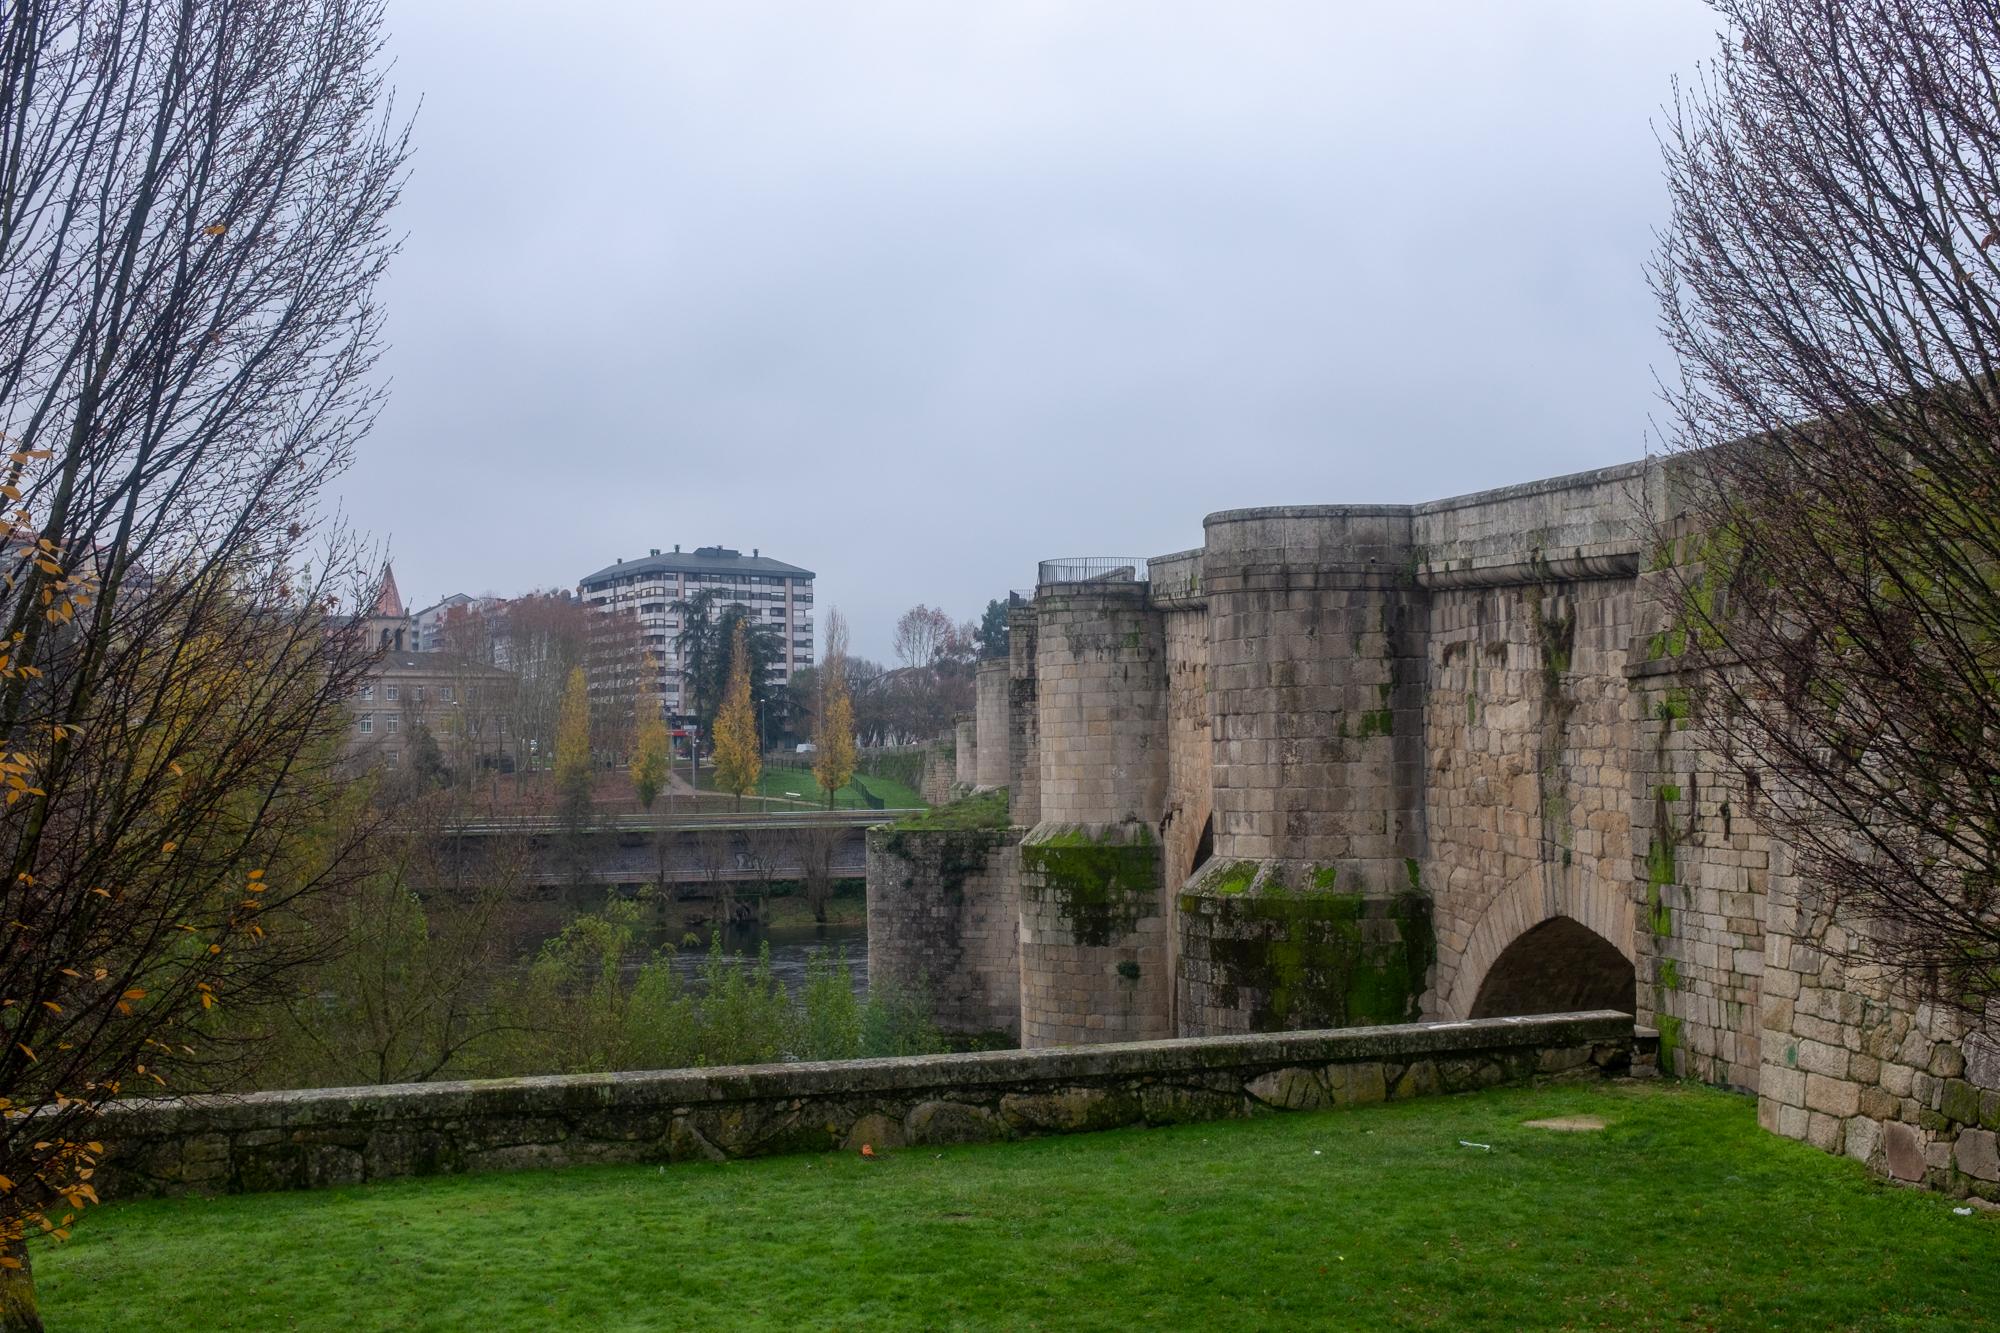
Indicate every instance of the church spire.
{"type": "Point", "coordinates": [388, 602]}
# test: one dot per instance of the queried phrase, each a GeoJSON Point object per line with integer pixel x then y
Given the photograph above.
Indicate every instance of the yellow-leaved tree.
{"type": "Point", "coordinates": [833, 764]}
{"type": "Point", "coordinates": [738, 765]}
{"type": "Point", "coordinates": [650, 746]}
{"type": "Point", "coordinates": [573, 745]}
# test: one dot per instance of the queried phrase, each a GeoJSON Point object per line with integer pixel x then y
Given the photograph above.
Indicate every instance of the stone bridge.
{"type": "Point", "coordinates": [1360, 764]}
{"type": "Point", "coordinates": [687, 850]}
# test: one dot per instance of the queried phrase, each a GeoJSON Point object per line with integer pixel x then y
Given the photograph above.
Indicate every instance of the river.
{"type": "Point", "coordinates": [791, 943]}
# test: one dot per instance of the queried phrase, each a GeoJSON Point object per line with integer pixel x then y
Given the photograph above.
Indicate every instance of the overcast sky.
{"type": "Point", "coordinates": [915, 295]}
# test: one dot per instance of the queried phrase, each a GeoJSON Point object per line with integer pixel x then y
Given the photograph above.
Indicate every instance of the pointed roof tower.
{"type": "Point", "coordinates": [388, 602]}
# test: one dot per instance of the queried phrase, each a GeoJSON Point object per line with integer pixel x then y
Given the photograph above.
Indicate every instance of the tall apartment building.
{"type": "Point", "coordinates": [773, 593]}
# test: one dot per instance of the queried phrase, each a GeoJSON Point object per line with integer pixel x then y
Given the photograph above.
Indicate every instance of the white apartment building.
{"type": "Point", "coordinates": [773, 593]}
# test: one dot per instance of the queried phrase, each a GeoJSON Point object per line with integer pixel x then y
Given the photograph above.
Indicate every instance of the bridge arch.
{"type": "Point", "coordinates": [1543, 949]}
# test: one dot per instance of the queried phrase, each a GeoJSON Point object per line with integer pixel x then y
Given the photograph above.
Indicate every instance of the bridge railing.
{"type": "Point", "coordinates": [1093, 569]}
{"type": "Point", "coordinates": [660, 822]}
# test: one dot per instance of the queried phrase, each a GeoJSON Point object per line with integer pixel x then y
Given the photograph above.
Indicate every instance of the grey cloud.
{"type": "Point", "coordinates": [916, 294]}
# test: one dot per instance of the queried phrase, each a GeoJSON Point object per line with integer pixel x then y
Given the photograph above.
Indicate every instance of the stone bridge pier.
{"type": "Point", "coordinates": [1094, 907]}
{"type": "Point", "coordinates": [1311, 911]}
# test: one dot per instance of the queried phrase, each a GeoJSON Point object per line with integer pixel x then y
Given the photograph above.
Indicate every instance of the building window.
{"type": "Point", "coordinates": [365, 723]}
{"type": "Point", "coordinates": [395, 724]}
{"type": "Point", "coordinates": [393, 693]}
{"type": "Point", "coordinates": [390, 757]}
{"type": "Point", "coordinates": [444, 693]}
{"type": "Point", "coordinates": [416, 694]}
{"type": "Point", "coordinates": [367, 692]}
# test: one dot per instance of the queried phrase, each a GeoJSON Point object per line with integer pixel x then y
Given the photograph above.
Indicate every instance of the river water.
{"type": "Point", "coordinates": [791, 946]}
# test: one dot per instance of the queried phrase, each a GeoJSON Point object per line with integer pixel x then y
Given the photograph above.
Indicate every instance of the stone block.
{"type": "Point", "coordinates": [1864, 1136]}
{"type": "Point", "coordinates": [1290, 1090]}
{"type": "Point", "coordinates": [1358, 1084]}
{"type": "Point", "coordinates": [1824, 1132]}
{"type": "Point", "coordinates": [1786, 1086]}
{"type": "Point", "coordinates": [875, 1131]}
{"type": "Point", "coordinates": [1903, 1151]}
{"type": "Point", "coordinates": [952, 1122]}
{"type": "Point", "coordinates": [1977, 1153]}
{"type": "Point", "coordinates": [1982, 1060]}
{"type": "Point", "coordinates": [1816, 1057]}
{"type": "Point", "coordinates": [1960, 1102]}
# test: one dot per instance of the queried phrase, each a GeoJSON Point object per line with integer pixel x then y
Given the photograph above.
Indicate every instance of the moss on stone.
{"type": "Point", "coordinates": [1236, 879]}
{"type": "Point", "coordinates": [1102, 882]}
{"type": "Point", "coordinates": [1317, 958]}
{"type": "Point", "coordinates": [1670, 1042]}
{"type": "Point", "coordinates": [1674, 707]}
{"type": "Point", "coordinates": [1377, 722]}
{"type": "Point", "coordinates": [1324, 877]}
{"type": "Point", "coordinates": [982, 810]}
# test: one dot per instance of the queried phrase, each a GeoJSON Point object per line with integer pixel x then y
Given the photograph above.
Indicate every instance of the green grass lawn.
{"type": "Point", "coordinates": [1680, 1214]}
{"type": "Point", "coordinates": [783, 783]}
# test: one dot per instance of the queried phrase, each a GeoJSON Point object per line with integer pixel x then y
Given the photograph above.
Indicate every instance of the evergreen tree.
{"type": "Point", "coordinates": [991, 635]}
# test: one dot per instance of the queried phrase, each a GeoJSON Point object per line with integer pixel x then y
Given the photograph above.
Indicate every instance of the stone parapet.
{"type": "Point", "coordinates": [345, 1136]}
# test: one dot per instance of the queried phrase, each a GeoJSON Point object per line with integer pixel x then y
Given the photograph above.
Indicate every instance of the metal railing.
{"type": "Point", "coordinates": [1093, 569]}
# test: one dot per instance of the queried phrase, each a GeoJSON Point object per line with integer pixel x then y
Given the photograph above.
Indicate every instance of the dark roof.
{"type": "Point", "coordinates": [434, 662]}
{"type": "Point", "coordinates": [704, 560]}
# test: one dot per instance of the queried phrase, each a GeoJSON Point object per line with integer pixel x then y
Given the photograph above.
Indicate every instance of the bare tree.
{"type": "Point", "coordinates": [816, 845]}
{"type": "Point", "coordinates": [539, 637]}
{"type": "Point", "coordinates": [191, 228]}
{"type": "Point", "coordinates": [1830, 280]}
{"type": "Point", "coordinates": [923, 633]}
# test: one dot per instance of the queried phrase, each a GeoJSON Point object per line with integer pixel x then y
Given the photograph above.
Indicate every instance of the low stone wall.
{"type": "Point", "coordinates": [342, 1136]}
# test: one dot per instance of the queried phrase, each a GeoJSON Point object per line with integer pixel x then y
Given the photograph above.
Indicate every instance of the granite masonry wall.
{"type": "Point", "coordinates": [944, 922]}
{"type": "Point", "coordinates": [1094, 910]}
{"type": "Point", "coordinates": [965, 750]}
{"type": "Point", "coordinates": [343, 1136]}
{"type": "Point", "coordinates": [992, 763]}
{"type": "Point", "coordinates": [1528, 725]}
{"type": "Point", "coordinates": [1441, 760]}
